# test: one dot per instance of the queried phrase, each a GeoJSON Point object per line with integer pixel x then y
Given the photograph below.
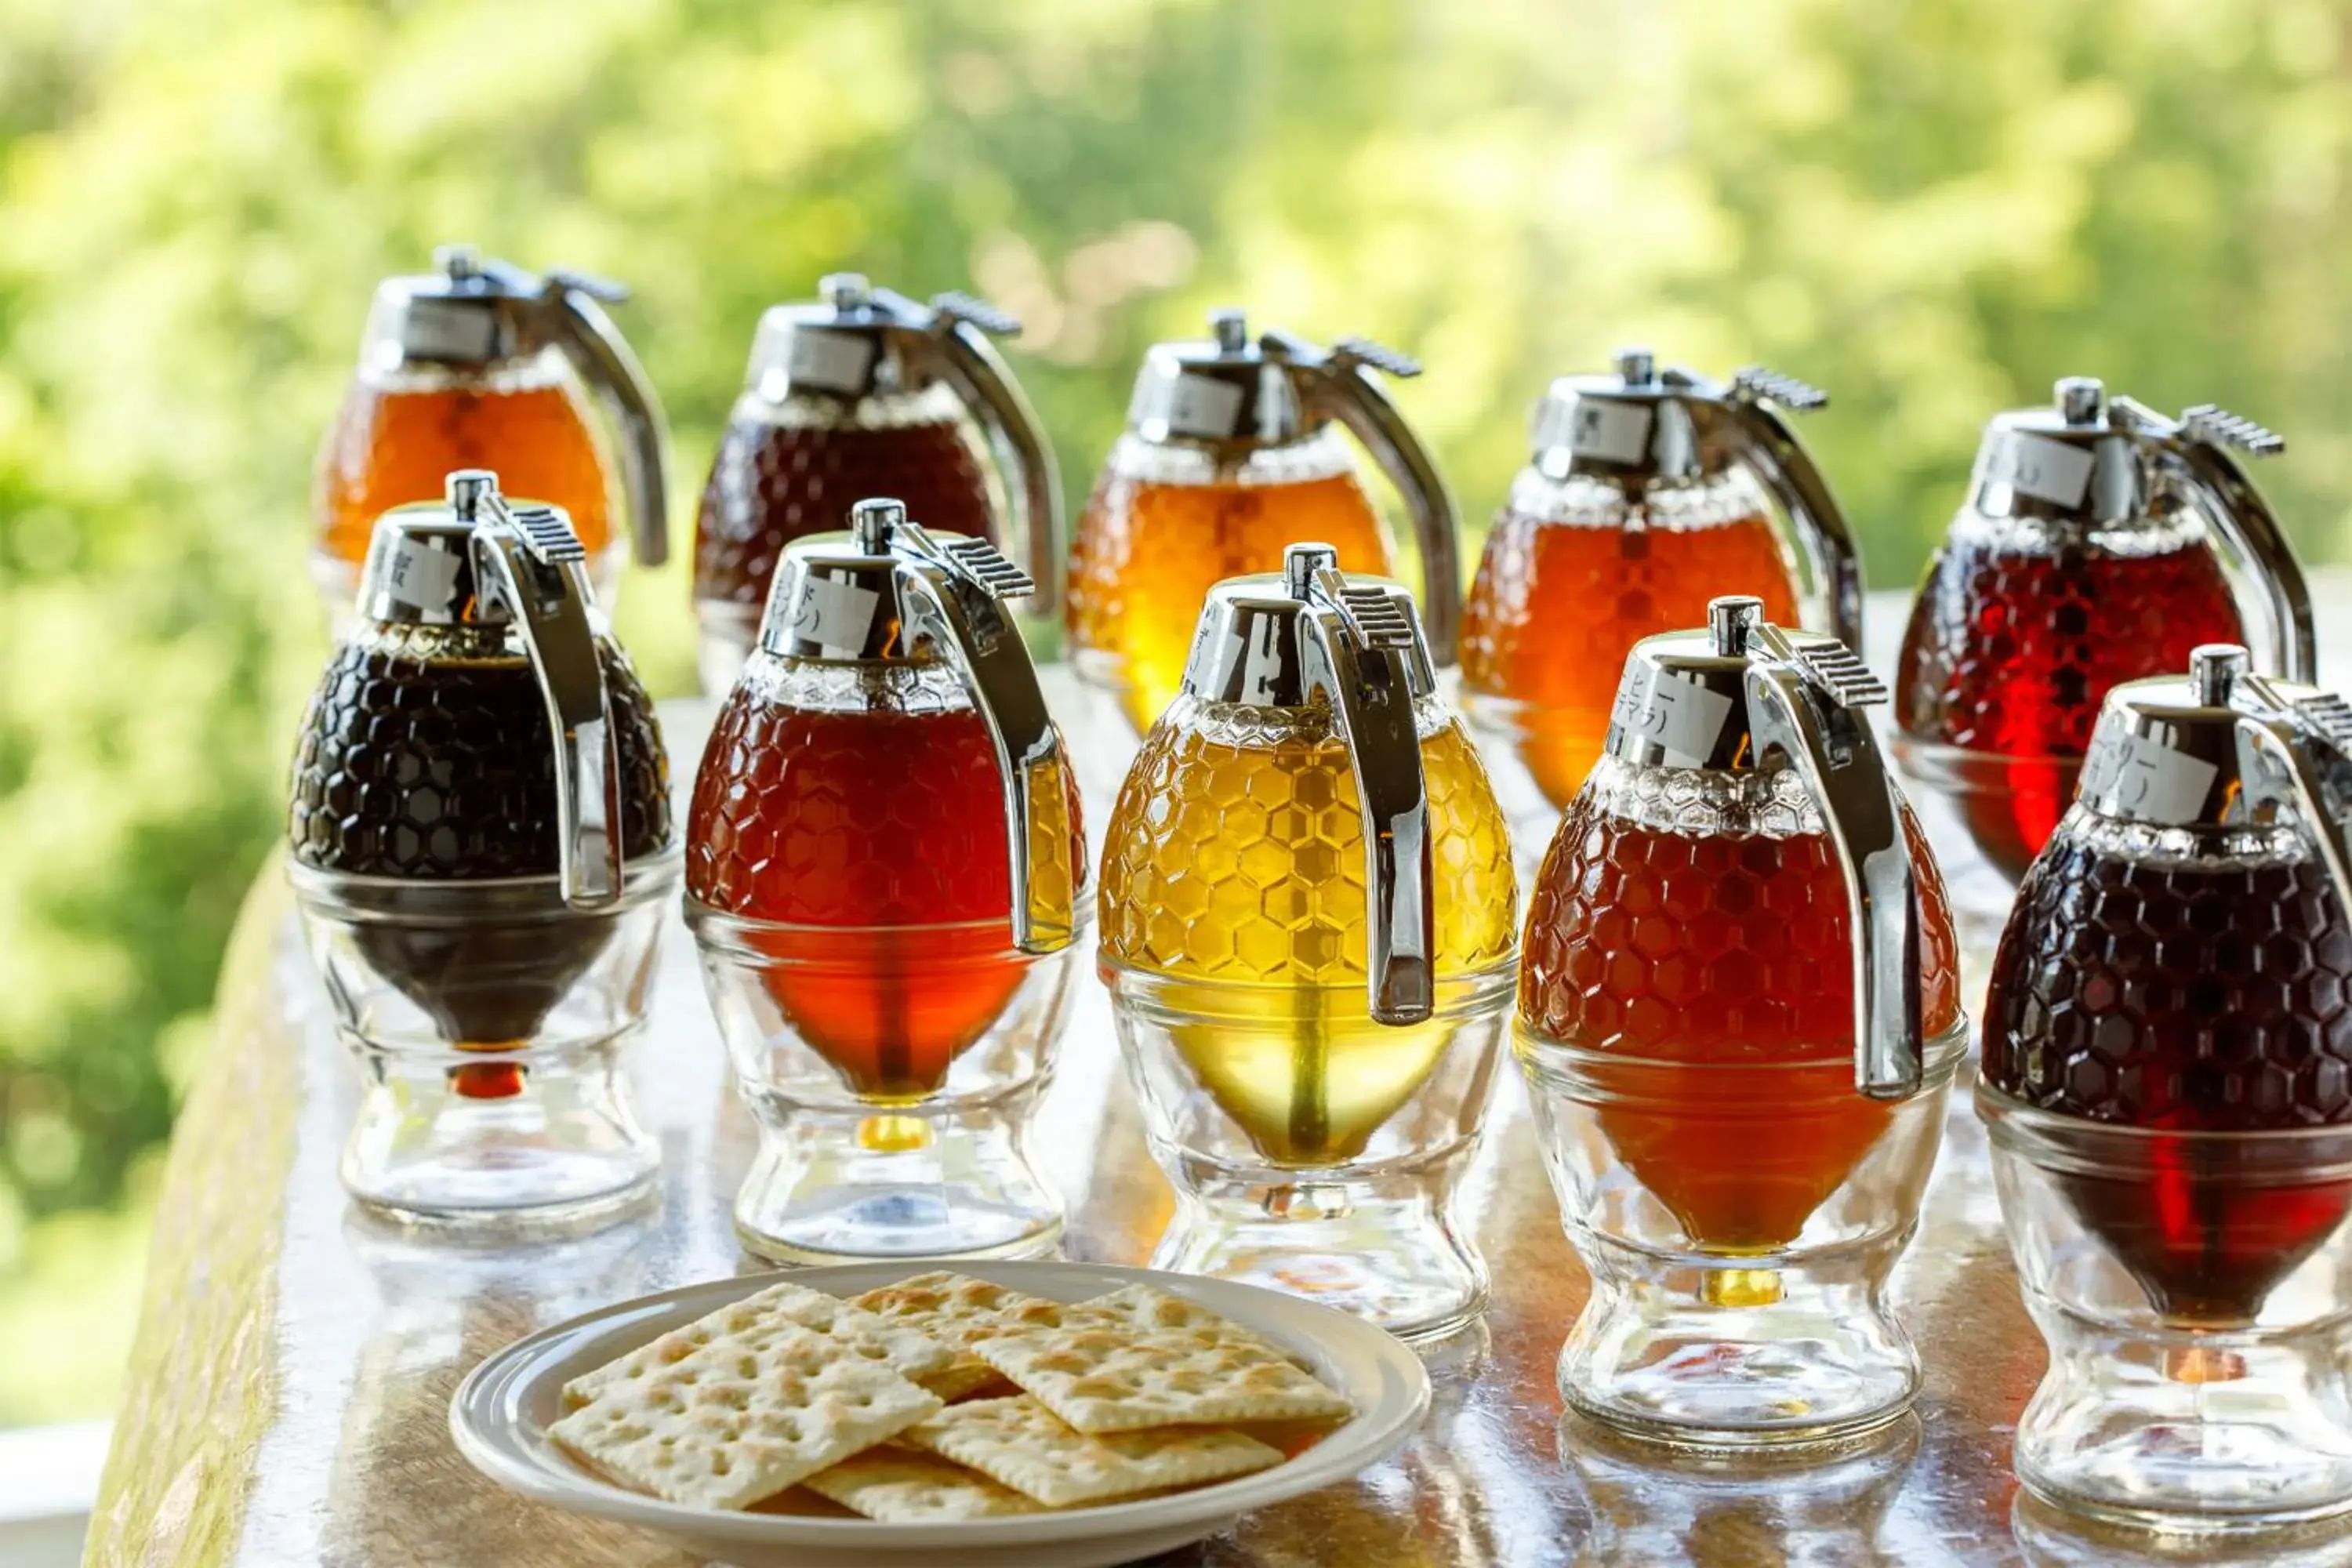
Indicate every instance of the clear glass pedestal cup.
{"type": "Point", "coordinates": [489, 1020]}
{"type": "Point", "coordinates": [1716, 1348]}
{"type": "Point", "coordinates": [1369, 1223]}
{"type": "Point", "coordinates": [864, 1157]}
{"type": "Point", "coordinates": [2153, 1420]}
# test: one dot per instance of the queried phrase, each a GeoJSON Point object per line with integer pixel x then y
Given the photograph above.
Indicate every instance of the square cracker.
{"type": "Point", "coordinates": [901, 1347]}
{"type": "Point", "coordinates": [955, 1309]}
{"type": "Point", "coordinates": [743, 1418]}
{"type": "Point", "coordinates": [1102, 1377]}
{"type": "Point", "coordinates": [1019, 1442]}
{"type": "Point", "coordinates": [905, 1487]}
{"type": "Point", "coordinates": [1148, 1307]}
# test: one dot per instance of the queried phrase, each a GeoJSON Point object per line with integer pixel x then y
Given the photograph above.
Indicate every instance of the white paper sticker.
{"type": "Point", "coordinates": [421, 575]}
{"type": "Point", "coordinates": [442, 329]}
{"type": "Point", "coordinates": [833, 615]}
{"type": "Point", "coordinates": [1683, 718]}
{"type": "Point", "coordinates": [829, 361]}
{"type": "Point", "coordinates": [1203, 406]}
{"type": "Point", "coordinates": [2148, 778]}
{"type": "Point", "coordinates": [1614, 432]}
{"type": "Point", "coordinates": [2054, 472]}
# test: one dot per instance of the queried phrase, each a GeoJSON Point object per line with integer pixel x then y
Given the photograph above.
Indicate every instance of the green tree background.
{"type": "Point", "coordinates": [1931, 207]}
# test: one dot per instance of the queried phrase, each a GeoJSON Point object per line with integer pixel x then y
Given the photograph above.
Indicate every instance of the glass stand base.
{"type": "Point", "coordinates": [2190, 1431]}
{"type": "Point", "coordinates": [1386, 1252]}
{"type": "Point", "coordinates": [922, 1182]}
{"type": "Point", "coordinates": [510, 1143]}
{"type": "Point", "coordinates": [1733, 1354]}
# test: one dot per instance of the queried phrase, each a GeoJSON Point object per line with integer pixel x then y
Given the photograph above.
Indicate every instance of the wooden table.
{"type": "Point", "coordinates": [287, 1399]}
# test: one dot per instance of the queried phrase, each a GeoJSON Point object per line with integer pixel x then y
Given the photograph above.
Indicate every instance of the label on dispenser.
{"type": "Point", "coordinates": [2148, 778]}
{"type": "Point", "coordinates": [421, 576]}
{"type": "Point", "coordinates": [1202, 406]}
{"type": "Point", "coordinates": [833, 615]}
{"type": "Point", "coordinates": [466, 333]}
{"type": "Point", "coordinates": [1679, 716]}
{"type": "Point", "coordinates": [1612, 432]}
{"type": "Point", "coordinates": [2054, 472]}
{"type": "Point", "coordinates": [830, 362]}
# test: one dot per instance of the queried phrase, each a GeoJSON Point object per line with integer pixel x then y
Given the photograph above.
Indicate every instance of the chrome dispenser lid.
{"type": "Point", "coordinates": [857, 341]}
{"type": "Point", "coordinates": [480, 560]}
{"type": "Point", "coordinates": [2097, 460]}
{"type": "Point", "coordinates": [1313, 638]}
{"type": "Point", "coordinates": [474, 311]}
{"type": "Point", "coordinates": [1644, 424]}
{"type": "Point", "coordinates": [1234, 390]}
{"type": "Point", "coordinates": [2222, 747]}
{"type": "Point", "coordinates": [889, 590]}
{"type": "Point", "coordinates": [1743, 692]}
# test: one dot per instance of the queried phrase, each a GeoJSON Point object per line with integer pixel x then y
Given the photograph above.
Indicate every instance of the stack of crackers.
{"type": "Point", "coordinates": [942, 1398]}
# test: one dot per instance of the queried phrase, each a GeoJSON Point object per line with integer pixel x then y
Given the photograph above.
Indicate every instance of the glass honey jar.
{"type": "Point", "coordinates": [1306, 914]}
{"type": "Point", "coordinates": [481, 364]}
{"type": "Point", "coordinates": [1738, 1018]}
{"type": "Point", "coordinates": [1652, 491]}
{"type": "Point", "coordinates": [2100, 542]}
{"type": "Point", "coordinates": [865, 392]}
{"type": "Point", "coordinates": [1230, 455]}
{"type": "Point", "coordinates": [2168, 1078]}
{"type": "Point", "coordinates": [482, 851]}
{"type": "Point", "coordinates": [886, 875]}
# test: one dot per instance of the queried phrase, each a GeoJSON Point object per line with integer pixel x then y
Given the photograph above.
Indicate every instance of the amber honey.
{"type": "Point", "coordinates": [1235, 875]}
{"type": "Point", "coordinates": [1557, 606]}
{"type": "Point", "coordinates": [391, 445]}
{"type": "Point", "coordinates": [1147, 554]}
{"type": "Point", "coordinates": [875, 841]}
{"type": "Point", "coordinates": [1679, 960]}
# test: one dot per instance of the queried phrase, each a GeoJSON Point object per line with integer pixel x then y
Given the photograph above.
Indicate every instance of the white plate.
{"type": "Point", "coordinates": [500, 1414]}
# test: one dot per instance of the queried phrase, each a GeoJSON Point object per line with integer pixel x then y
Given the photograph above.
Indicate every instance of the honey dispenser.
{"type": "Point", "coordinates": [1308, 910]}
{"type": "Point", "coordinates": [481, 848]}
{"type": "Point", "coordinates": [480, 363]}
{"type": "Point", "coordinates": [862, 393]}
{"type": "Point", "coordinates": [886, 874]}
{"type": "Point", "coordinates": [1738, 1018]}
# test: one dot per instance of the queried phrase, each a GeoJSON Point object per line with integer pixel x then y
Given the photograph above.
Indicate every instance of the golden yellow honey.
{"type": "Point", "coordinates": [1233, 874]}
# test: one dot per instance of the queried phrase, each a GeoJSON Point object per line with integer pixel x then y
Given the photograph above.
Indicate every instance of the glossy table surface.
{"type": "Point", "coordinates": [289, 1395]}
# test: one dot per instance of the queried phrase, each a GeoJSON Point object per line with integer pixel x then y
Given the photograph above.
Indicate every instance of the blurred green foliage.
{"type": "Point", "coordinates": [1930, 206]}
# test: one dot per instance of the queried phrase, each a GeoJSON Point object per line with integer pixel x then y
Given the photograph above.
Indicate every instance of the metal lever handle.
{"type": "Point", "coordinates": [1369, 688]}
{"type": "Point", "coordinates": [1832, 749]}
{"type": "Point", "coordinates": [1755, 401]}
{"type": "Point", "coordinates": [1350, 394]}
{"type": "Point", "coordinates": [2197, 449]}
{"type": "Point", "coordinates": [1024, 452]}
{"type": "Point", "coordinates": [943, 599]}
{"type": "Point", "coordinates": [2274, 736]}
{"type": "Point", "coordinates": [580, 326]}
{"type": "Point", "coordinates": [539, 571]}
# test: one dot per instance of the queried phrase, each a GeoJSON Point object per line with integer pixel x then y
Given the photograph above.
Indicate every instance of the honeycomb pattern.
{"type": "Point", "coordinates": [1685, 948]}
{"type": "Point", "coordinates": [2181, 995]}
{"type": "Point", "coordinates": [1147, 554]}
{"type": "Point", "coordinates": [772, 483]}
{"type": "Point", "coordinates": [888, 824]}
{"type": "Point", "coordinates": [1685, 944]}
{"type": "Point", "coordinates": [2015, 639]}
{"type": "Point", "coordinates": [425, 754]}
{"type": "Point", "coordinates": [1234, 856]}
{"type": "Point", "coordinates": [391, 445]}
{"type": "Point", "coordinates": [2176, 994]}
{"type": "Point", "coordinates": [873, 817]}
